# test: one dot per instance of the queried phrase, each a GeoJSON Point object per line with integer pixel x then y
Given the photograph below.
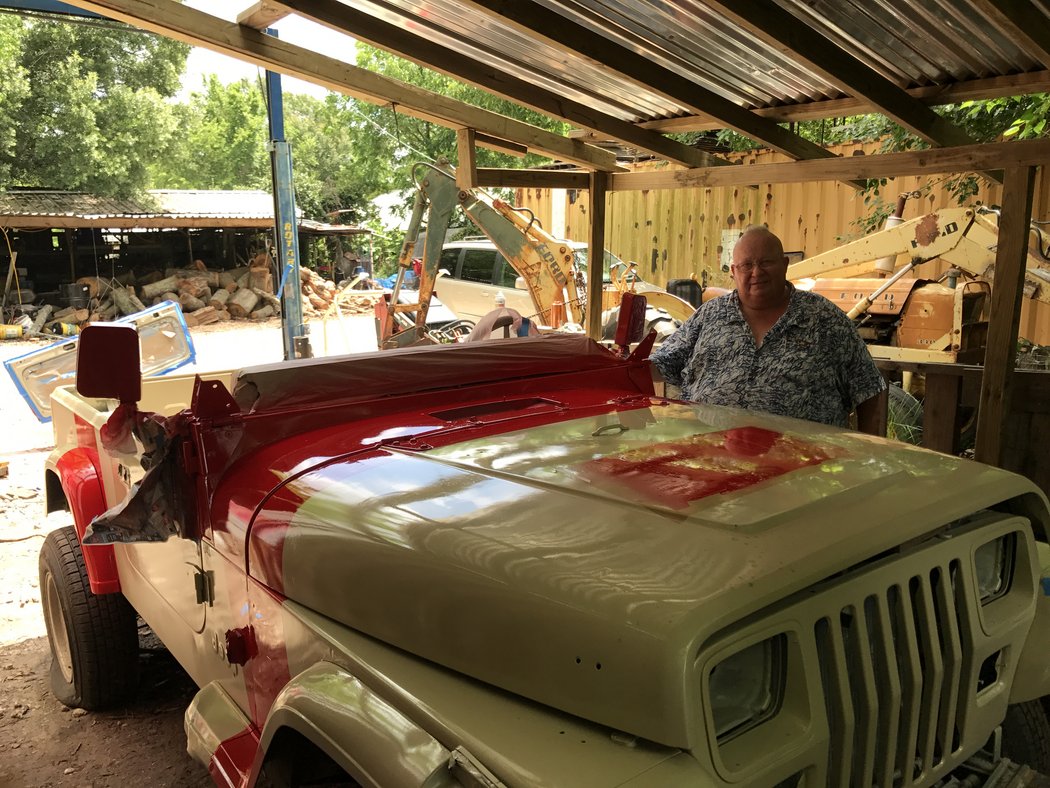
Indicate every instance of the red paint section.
{"type": "Point", "coordinates": [78, 470]}
{"type": "Point", "coordinates": [233, 760]}
{"type": "Point", "coordinates": [85, 433]}
{"type": "Point", "coordinates": [676, 473]}
{"type": "Point", "coordinates": [267, 671]}
{"type": "Point", "coordinates": [266, 538]}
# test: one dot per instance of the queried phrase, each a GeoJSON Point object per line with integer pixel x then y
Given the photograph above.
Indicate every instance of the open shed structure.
{"type": "Point", "coordinates": [60, 236]}
{"type": "Point", "coordinates": [635, 71]}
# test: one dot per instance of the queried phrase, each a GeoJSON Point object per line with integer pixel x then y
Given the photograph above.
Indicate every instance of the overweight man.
{"type": "Point", "coordinates": [769, 347]}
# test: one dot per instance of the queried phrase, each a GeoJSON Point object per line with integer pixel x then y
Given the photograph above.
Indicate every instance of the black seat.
{"type": "Point", "coordinates": [687, 289]}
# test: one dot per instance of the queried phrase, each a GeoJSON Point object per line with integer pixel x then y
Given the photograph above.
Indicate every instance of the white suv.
{"type": "Point", "coordinates": [473, 271]}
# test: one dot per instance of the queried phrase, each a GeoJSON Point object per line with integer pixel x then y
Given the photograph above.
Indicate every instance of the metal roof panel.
{"type": "Point", "coordinates": [911, 43]}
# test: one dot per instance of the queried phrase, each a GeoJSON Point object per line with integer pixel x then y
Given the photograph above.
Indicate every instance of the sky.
{"type": "Point", "coordinates": [292, 29]}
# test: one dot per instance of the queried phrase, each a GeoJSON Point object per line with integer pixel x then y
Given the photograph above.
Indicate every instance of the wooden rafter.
{"type": "Point", "coordinates": [1025, 22]}
{"type": "Point", "coordinates": [262, 15]}
{"type": "Point", "coordinates": [174, 20]}
{"type": "Point", "coordinates": [779, 28]}
{"type": "Point", "coordinates": [365, 27]}
{"type": "Point", "coordinates": [967, 158]}
{"type": "Point", "coordinates": [563, 33]}
{"type": "Point", "coordinates": [930, 95]}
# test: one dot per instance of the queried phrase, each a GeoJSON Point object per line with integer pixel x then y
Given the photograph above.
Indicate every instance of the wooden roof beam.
{"type": "Point", "coordinates": [781, 29]}
{"type": "Point", "coordinates": [967, 158]}
{"type": "Point", "coordinates": [174, 20]}
{"type": "Point", "coordinates": [378, 33]}
{"type": "Point", "coordinates": [567, 35]}
{"type": "Point", "coordinates": [931, 95]}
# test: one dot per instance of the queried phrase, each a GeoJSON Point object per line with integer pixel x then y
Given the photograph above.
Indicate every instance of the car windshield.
{"type": "Point", "coordinates": [611, 261]}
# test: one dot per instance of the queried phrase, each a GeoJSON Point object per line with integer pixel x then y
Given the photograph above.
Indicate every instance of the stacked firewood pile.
{"type": "Point", "coordinates": [205, 295]}
{"type": "Point", "coordinates": [322, 298]}
{"type": "Point", "coordinates": [208, 296]}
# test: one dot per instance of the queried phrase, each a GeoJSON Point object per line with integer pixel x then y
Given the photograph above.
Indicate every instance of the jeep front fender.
{"type": "Point", "coordinates": [77, 471]}
{"type": "Point", "coordinates": [371, 740]}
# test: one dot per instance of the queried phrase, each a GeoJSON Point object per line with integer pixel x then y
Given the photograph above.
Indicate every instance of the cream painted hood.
{"type": "Point", "coordinates": [584, 563]}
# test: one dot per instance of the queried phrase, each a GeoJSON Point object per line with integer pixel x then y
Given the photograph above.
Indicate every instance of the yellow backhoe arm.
{"type": "Point", "coordinates": [959, 236]}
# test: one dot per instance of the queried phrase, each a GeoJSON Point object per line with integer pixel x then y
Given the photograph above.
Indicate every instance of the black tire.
{"type": "Point", "coordinates": [93, 638]}
{"type": "Point", "coordinates": [1026, 735]}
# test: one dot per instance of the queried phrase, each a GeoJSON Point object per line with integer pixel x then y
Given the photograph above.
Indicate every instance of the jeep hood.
{"type": "Point", "coordinates": [584, 563]}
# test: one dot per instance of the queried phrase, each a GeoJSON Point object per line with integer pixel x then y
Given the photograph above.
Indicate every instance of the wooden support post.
{"type": "Point", "coordinates": [940, 413]}
{"type": "Point", "coordinates": [467, 169]}
{"type": "Point", "coordinates": [1005, 310]}
{"type": "Point", "coordinates": [71, 251]}
{"type": "Point", "coordinates": [596, 255]}
{"type": "Point", "coordinates": [875, 419]}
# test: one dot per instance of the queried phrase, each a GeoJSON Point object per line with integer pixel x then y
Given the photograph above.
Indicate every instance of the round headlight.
{"type": "Point", "coordinates": [745, 689]}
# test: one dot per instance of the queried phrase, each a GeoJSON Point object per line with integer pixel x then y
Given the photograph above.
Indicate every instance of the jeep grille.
{"type": "Point", "coordinates": [892, 664]}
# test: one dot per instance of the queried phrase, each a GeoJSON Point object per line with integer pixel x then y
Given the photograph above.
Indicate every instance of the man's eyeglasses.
{"type": "Point", "coordinates": [748, 266]}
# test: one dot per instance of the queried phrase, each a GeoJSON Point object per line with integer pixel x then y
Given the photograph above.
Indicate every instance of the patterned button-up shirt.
{"type": "Point", "coordinates": [811, 364]}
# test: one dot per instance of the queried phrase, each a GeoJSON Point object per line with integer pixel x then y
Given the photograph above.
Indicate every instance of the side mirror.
{"type": "Point", "coordinates": [630, 325]}
{"type": "Point", "coordinates": [108, 363]}
{"type": "Point", "coordinates": [519, 283]}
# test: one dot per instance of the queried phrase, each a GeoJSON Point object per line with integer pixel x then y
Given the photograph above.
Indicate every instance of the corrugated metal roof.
{"type": "Point", "coordinates": [248, 205]}
{"type": "Point", "coordinates": [915, 43]}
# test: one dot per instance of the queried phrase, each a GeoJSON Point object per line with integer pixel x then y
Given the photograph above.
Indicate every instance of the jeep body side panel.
{"type": "Point", "coordinates": [530, 557]}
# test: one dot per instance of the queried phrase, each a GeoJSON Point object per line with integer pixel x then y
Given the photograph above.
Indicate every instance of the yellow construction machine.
{"type": "Point", "coordinates": [905, 318]}
{"type": "Point", "coordinates": [548, 265]}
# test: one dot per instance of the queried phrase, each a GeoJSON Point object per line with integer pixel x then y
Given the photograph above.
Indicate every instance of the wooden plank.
{"type": "Point", "coordinates": [1005, 313]}
{"type": "Point", "coordinates": [930, 95]}
{"type": "Point", "coordinates": [502, 146]}
{"type": "Point", "coordinates": [1026, 453]}
{"type": "Point", "coordinates": [466, 154]}
{"type": "Point", "coordinates": [967, 158]}
{"type": "Point", "coordinates": [431, 54]}
{"type": "Point", "coordinates": [940, 413]}
{"type": "Point", "coordinates": [874, 420]}
{"type": "Point", "coordinates": [561, 32]}
{"type": "Point", "coordinates": [262, 15]}
{"type": "Point", "coordinates": [596, 255]}
{"type": "Point", "coordinates": [781, 29]}
{"type": "Point", "coordinates": [172, 19]}
{"type": "Point", "coordinates": [533, 179]}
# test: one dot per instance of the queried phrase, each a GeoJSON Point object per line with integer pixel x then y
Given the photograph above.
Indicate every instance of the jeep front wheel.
{"type": "Point", "coordinates": [94, 638]}
{"type": "Point", "coordinates": [1026, 735]}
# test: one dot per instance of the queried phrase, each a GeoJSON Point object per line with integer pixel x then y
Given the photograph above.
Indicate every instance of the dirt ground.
{"type": "Point", "coordinates": [43, 743]}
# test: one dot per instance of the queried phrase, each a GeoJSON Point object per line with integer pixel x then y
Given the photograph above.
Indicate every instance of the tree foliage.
{"type": "Point", "coordinates": [84, 105]}
{"type": "Point", "coordinates": [221, 142]}
{"type": "Point", "coordinates": [389, 136]}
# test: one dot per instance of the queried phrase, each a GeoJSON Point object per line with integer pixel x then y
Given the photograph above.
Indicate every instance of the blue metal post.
{"type": "Point", "coordinates": [294, 331]}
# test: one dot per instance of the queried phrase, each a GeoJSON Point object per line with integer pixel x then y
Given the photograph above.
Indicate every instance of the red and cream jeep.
{"type": "Point", "coordinates": [509, 563]}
